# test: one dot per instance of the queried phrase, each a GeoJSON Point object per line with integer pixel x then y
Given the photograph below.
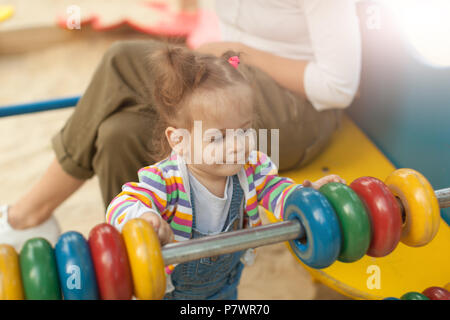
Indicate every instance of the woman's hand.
{"type": "Point", "coordinates": [330, 178]}
{"type": "Point", "coordinates": [287, 72]}
{"type": "Point", "coordinates": [162, 228]}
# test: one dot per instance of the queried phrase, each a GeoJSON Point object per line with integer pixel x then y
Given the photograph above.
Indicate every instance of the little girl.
{"type": "Point", "coordinates": [220, 187]}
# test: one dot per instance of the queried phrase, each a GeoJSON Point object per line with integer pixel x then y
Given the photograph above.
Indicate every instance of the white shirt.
{"type": "Point", "coordinates": [210, 210]}
{"type": "Point", "coordinates": [324, 32]}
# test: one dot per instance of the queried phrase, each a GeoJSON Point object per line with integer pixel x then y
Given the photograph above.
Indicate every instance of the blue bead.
{"type": "Point", "coordinates": [391, 298]}
{"type": "Point", "coordinates": [75, 267]}
{"type": "Point", "coordinates": [323, 234]}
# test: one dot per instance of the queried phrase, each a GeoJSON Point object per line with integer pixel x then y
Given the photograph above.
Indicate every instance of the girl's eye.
{"type": "Point", "coordinates": [245, 131]}
{"type": "Point", "coordinates": [217, 139]}
{"type": "Point", "coordinates": [241, 132]}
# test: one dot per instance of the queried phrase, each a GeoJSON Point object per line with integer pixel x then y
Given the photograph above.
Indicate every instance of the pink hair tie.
{"type": "Point", "coordinates": [234, 61]}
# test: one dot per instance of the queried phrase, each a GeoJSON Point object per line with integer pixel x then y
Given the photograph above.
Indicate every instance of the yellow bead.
{"type": "Point", "coordinates": [147, 265]}
{"type": "Point", "coordinates": [420, 204]}
{"type": "Point", "coordinates": [447, 287]}
{"type": "Point", "coordinates": [10, 279]}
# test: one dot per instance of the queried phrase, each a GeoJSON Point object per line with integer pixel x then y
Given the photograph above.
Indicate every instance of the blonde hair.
{"type": "Point", "coordinates": [181, 78]}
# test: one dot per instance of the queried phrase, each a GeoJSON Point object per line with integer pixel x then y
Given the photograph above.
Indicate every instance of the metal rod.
{"type": "Point", "coordinates": [248, 238]}
{"type": "Point", "coordinates": [232, 241]}
{"type": "Point", "coordinates": [443, 196]}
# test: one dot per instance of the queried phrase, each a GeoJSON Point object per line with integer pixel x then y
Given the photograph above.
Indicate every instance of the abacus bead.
{"type": "Point", "coordinates": [437, 293]}
{"type": "Point", "coordinates": [110, 260]}
{"type": "Point", "coordinates": [414, 296]}
{"type": "Point", "coordinates": [39, 271]}
{"type": "Point", "coordinates": [323, 236]}
{"type": "Point", "coordinates": [384, 212]}
{"type": "Point", "coordinates": [353, 218]}
{"type": "Point", "coordinates": [75, 268]}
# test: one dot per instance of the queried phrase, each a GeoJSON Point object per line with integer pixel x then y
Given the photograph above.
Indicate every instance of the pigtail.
{"type": "Point", "coordinates": [230, 53]}
{"type": "Point", "coordinates": [176, 73]}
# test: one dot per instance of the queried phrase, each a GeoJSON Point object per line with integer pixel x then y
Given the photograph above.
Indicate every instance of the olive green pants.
{"type": "Point", "coordinates": [110, 129]}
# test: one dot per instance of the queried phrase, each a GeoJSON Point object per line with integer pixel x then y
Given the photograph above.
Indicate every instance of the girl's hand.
{"type": "Point", "coordinates": [330, 178]}
{"type": "Point", "coordinates": [162, 228]}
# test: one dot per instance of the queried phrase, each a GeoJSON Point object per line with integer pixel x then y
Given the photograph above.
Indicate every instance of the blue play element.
{"type": "Point", "coordinates": [38, 106]}
{"type": "Point", "coordinates": [445, 213]}
{"type": "Point", "coordinates": [323, 233]}
{"type": "Point", "coordinates": [75, 267]}
{"type": "Point", "coordinates": [404, 103]}
{"type": "Point", "coordinates": [391, 298]}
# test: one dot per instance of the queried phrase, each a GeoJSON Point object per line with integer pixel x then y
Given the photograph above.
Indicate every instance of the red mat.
{"type": "Point", "coordinates": [152, 17]}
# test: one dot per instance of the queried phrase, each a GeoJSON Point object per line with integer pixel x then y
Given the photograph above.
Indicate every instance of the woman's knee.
{"type": "Point", "coordinates": [329, 123]}
{"type": "Point", "coordinates": [300, 146]}
{"type": "Point", "coordinates": [124, 135]}
{"type": "Point", "coordinates": [127, 49]}
{"type": "Point", "coordinates": [119, 129]}
{"type": "Point", "coordinates": [125, 65]}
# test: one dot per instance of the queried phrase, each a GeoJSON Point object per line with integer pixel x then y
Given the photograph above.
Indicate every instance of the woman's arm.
{"type": "Point", "coordinates": [331, 79]}
{"type": "Point", "coordinates": [289, 73]}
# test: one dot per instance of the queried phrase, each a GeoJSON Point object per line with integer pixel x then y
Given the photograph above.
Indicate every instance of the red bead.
{"type": "Point", "coordinates": [437, 293]}
{"type": "Point", "coordinates": [111, 265]}
{"type": "Point", "coordinates": [385, 215]}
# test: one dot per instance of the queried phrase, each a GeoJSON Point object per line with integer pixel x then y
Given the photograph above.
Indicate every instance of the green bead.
{"type": "Point", "coordinates": [353, 218]}
{"type": "Point", "coordinates": [414, 296]}
{"type": "Point", "coordinates": [38, 269]}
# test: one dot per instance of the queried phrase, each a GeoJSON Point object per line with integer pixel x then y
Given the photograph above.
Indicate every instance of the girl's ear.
{"type": "Point", "coordinates": [176, 139]}
{"type": "Point", "coordinates": [172, 137]}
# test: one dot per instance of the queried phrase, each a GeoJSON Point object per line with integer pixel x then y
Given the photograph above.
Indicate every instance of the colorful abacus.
{"type": "Point", "coordinates": [431, 293]}
{"type": "Point", "coordinates": [338, 222]}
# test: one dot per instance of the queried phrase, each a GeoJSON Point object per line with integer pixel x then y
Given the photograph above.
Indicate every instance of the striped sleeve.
{"type": "Point", "coordinates": [271, 189]}
{"type": "Point", "coordinates": [136, 198]}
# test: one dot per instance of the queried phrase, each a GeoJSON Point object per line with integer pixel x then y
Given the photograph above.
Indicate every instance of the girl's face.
{"type": "Point", "coordinates": [221, 137]}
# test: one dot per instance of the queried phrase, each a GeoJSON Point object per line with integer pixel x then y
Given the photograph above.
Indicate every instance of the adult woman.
{"type": "Point", "coordinates": [302, 56]}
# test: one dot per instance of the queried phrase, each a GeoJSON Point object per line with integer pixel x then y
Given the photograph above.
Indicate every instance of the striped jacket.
{"type": "Point", "coordinates": [163, 188]}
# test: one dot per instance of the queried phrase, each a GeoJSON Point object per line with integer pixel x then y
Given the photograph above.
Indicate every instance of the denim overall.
{"type": "Point", "coordinates": [213, 278]}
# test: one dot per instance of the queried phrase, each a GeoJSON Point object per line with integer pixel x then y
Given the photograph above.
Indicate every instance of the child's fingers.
{"type": "Point", "coordinates": [336, 178]}
{"type": "Point", "coordinates": [339, 179]}
{"type": "Point", "coordinates": [307, 183]}
{"type": "Point", "coordinates": [162, 228]}
{"type": "Point", "coordinates": [165, 234]}
{"type": "Point", "coordinates": [153, 219]}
